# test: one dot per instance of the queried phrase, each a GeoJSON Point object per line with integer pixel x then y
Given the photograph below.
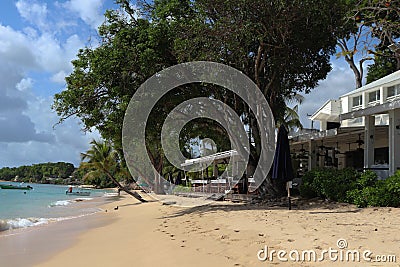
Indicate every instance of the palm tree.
{"type": "Point", "coordinates": [102, 158]}
{"type": "Point", "coordinates": [291, 118]}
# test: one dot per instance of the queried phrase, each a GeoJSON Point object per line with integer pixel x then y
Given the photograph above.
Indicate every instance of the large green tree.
{"type": "Point", "coordinates": [383, 65]}
{"type": "Point", "coordinates": [371, 26]}
{"type": "Point", "coordinates": [283, 46]}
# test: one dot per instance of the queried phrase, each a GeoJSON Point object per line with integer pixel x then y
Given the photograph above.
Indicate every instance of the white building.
{"type": "Point", "coordinates": [360, 129]}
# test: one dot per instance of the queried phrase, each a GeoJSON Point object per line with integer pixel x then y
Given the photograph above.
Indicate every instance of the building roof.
{"type": "Point", "coordinates": [211, 158]}
{"type": "Point", "coordinates": [318, 110]}
{"type": "Point", "coordinates": [328, 111]}
{"type": "Point", "coordinates": [378, 109]}
{"type": "Point", "coordinates": [378, 83]}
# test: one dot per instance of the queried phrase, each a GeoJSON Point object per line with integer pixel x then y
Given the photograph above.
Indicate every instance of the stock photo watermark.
{"type": "Point", "coordinates": [200, 72]}
{"type": "Point", "coordinates": [340, 253]}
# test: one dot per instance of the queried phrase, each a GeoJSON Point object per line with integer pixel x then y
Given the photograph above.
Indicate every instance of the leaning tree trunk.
{"type": "Point", "coordinates": [270, 188]}
{"type": "Point", "coordinates": [120, 187]}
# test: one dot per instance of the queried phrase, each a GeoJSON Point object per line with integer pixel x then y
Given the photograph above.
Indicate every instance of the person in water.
{"type": "Point", "coordinates": [69, 190]}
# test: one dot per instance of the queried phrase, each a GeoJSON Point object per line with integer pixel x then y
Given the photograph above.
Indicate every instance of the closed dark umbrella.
{"type": "Point", "coordinates": [178, 179]}
{"type": "Point", "coordinates": [170, 178]}
{"type": "Point", "coordinates": [282, 167]}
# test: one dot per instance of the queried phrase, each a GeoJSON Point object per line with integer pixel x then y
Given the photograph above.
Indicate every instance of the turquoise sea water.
{"type": "Point", "coordinates": [44, 204]}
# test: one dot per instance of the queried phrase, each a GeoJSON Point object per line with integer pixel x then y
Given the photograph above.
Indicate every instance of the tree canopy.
{"type": "Point", "coordinates": [283, 46]}
{"type": "Point", "coordinates": [38, 173]}
{"type": "Point", "coordinates": [372, 25]}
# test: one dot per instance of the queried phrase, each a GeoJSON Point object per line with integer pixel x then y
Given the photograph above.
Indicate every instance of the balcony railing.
{"type": "Point", "coordinates": [373, 103]}
{"type": "Point", "coordinates": [392, 98]}
{"type": "Point", "coordinates": [356, 107]}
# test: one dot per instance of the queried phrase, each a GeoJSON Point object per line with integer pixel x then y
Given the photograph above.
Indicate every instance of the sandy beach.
{"type": "Point", "coordinates": [227, 234]}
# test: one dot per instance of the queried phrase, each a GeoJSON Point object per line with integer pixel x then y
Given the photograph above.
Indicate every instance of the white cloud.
{"type": "Point", "coordinates": [50, 54]}
{"type": "Point", "coordinates": [59, 77]}
{"type": "Point", "coordinates": [27, 153]}
{"type": "Point", "coordinates": [338, 82]}
{"type": "Point", "coordinates": [29, 133]}
{"type": "Point", "coordinates": [15, 49]}
{"type": "Point", "coordinates": [90, 11]}
{"type": "Point", "coordinates": [30, 50]}
{"type": "Point", "coordinates": [33, 12]}
{"type": "Point", "coordinates": [30, 60]}
{"type": "Point", "coordinates": [25, 84]}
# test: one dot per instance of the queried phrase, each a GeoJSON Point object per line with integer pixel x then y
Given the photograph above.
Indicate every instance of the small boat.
{"type": "Point", "coordinates": [78, 193]}
{"type": "Point", "coordinates": [3, 186]}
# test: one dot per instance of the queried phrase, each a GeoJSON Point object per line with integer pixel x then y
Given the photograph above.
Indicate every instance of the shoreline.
{"type": "Point", "coordinates": [36, 244]}
{"type": "Point", "coordinates": [226, 234]}
{"type": "Point", "coordinates": [30, 245]}
{"type": "Point", "coordinates": [46, 211]}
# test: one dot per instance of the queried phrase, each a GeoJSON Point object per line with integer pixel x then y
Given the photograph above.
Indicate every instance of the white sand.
{"type": "Point", "coordinates": [226, 234]}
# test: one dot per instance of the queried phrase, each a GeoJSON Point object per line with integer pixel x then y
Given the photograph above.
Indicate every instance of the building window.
{"type": "Point", "coordinates": [357, 120]}
{"type": "Point", "coordinates": [393, 90]}
{"type": "Point", "coordinates": [357, 101]}
{"type": "Point", "coordinates": [374, 96]}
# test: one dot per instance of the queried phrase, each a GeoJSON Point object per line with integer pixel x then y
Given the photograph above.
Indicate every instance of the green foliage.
{"type": "Point", "coordinates": [382, 193]}
{"type": "Point", "coordinates": [367, 178]}
{"type": "Point", "coordinates": [328, 183]}
{"type": "Point", "coordinates": [102, 165]}
{"type": "Point", "coordinates": [98, 179]}
{"type": "Point", "coordinates": [39, 173]}
{"type": "Point", "coordinates": [283, 46]}
{"type": "Point", "coordinates": [181, 189]}
{"type": "Point", "coordinates": [371, 26]}
{"type": "Point", "coordinates": [291, 119]}
{"type": "Point", "coordinates": [363, 190]}
{"type": "Point", "coordinates": [103, 159]}
{"type": "Point", "coordinates": [265, 40]}
{"type": "Point", "coordinates": [382, 66]}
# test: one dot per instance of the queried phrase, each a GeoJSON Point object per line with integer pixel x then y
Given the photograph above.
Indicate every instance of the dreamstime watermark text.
{"type": "Point", "coordinates": [340, 253]}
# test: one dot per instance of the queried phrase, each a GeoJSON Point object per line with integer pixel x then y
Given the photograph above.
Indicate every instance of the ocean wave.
{"type": "Point", "coordinates": [82, 199]}
{"type": "Point", "coordinates": [68, 202]}
{"type": "Point", "coordinates": [22, 223]}
{"type": "Point", "coordinates": [110, 195]}
{"type": "Point", "coordinates": [29, 222]}
{"type": "Point", "coordinates": [60, 203]}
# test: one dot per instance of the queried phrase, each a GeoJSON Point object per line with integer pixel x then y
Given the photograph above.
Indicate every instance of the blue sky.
{"type": "Point", "coordinates": [38, 40]}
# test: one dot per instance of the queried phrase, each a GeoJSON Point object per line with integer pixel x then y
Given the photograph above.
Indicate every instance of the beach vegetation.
{"type": "Point", "coordinates": [347, 185]}
{"type": "Point", "coordinates": [58, 172]}
{"type": "Point", "coordinates": [102, 159]}
{"type": "Point", "coordinates": [328, 183]}
{"type": "Point", "coordinates": [181, 189]}
{"type": "Point", "coordinates": [371, 192]}
{"type": "Point", "coordinates": [291, 119]}
{"type": "Point", "coordinates": [283, 46]}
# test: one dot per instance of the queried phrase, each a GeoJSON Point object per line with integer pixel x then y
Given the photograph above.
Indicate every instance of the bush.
{"type": "Point", "coordinates": [307, 188]}
{"type": "Point", "coordinates": [366, 190]}
{"type": "Point", "coordinates": [367, 178]}
{"type": "Point", "coordinates": [389, 191]}
{"type": "Point", "coordinates": [329, 183]}
{"type": "Point", "coordinates": [363, 190]}
{"type": "Point", "coordinates": [181, 189]}
{"type": "Point", "coordinates": [373, 193]}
